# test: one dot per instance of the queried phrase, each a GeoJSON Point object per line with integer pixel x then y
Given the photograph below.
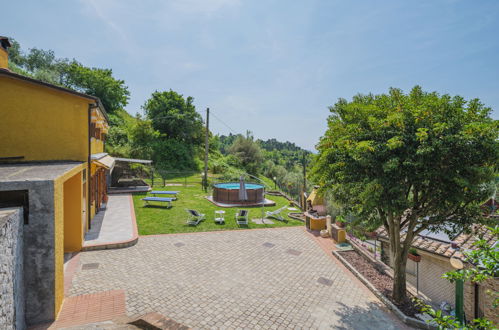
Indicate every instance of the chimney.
{"type": "Point", "coordinates": [4, 55]}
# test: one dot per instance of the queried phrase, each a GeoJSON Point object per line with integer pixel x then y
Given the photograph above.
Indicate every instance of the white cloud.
{"type": "Point", "coordinates": [100, 12]}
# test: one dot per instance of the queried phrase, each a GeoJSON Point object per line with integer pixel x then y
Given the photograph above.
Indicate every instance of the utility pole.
{"type": "Point", "coordinates": [302, 197]}
{"type": "Point", "coordinates": [206, 147]}
{"type": "Point", "coordinates": [304, 171]}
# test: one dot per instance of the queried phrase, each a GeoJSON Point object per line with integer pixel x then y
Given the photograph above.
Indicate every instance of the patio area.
{"type": "Point", "coordinates": [114, 226]}
{"type": "Point", "coordinates": [263, 278]}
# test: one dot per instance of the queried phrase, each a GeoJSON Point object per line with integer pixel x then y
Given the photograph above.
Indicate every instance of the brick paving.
{"type": "Point", "coordinates": [88, 308]}
{"type": "Point", "coordinates": [235, 279]}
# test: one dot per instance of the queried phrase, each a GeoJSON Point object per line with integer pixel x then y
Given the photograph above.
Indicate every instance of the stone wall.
{"type": "Point", "coordinates": [11, 269]}
{"type": "Point", "coordinates": [431, 283]}
{"type": "Point", "coordinates": [485, 300]}
{"type": "Point", "coordinates": [431, 269]}
{"type": "Point", "coordinates": [39, 255]}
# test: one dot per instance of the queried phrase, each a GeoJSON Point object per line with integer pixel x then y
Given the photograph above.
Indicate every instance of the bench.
{"type": "Point", "coordinates": [162, 192]}
{"type": "Point", "coordinates": [158, 199]}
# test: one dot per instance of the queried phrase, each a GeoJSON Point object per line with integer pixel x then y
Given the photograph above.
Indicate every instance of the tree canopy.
{"type": "Point", "coordinates": [112, 92]}
{"type": "Point", "coordinates": [175, 116]}
{"type": "Point", "coordinates": [409, 162]}
{"type": "Point", "coordinates": [248, 153]}
{"type": "Point", "coordinates": [180, 131]}
{"type": "Point", "coordinates": [45, 66]}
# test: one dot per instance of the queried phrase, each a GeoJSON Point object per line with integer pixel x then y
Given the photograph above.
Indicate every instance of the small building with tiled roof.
{"type": "Point", "coordinates": [436, 250]}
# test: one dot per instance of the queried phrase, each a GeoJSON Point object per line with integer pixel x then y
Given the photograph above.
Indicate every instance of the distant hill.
{"type": "Point", "coordinates": [286, 154]}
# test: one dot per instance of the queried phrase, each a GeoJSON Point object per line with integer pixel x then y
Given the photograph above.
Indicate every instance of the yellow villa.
{"type": "Point", "coordinates": [53, 165]}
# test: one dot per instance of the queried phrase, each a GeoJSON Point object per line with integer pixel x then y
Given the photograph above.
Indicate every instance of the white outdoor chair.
{"type": "Point", "coordinates": [242, 217]}
{"type": "Point", "coordinates": [194, 217]}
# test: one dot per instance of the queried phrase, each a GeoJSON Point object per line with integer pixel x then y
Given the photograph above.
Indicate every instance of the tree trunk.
{"type": "Point", "coordinates": [399, 278]}
{"type": "Point", "coordinates": [398, 259]}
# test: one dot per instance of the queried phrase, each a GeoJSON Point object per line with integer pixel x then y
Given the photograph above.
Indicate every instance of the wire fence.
{"type": "Point", "coordinates": [369, 245]}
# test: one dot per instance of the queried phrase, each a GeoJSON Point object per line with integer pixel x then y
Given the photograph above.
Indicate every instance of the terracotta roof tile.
{"type": "Point", "coordinates": [464, 241]}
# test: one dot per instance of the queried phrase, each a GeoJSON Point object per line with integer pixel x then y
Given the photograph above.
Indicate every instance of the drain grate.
{"type": "Point", "coordinates": [325, 281]}
{"type": "Point", "coordinates": [179, 244]}
{"type": "Point", "coordinates": [90, 266]}
{"type": "Point", "coordinates": [293, 252]}
{"type": "Point", "coordinates": [268, 244]}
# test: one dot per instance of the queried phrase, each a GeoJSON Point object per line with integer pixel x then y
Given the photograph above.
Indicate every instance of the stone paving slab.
{"type": "Point", "coordinates": [231, 280]}
{"type": "Point", "coordinates": [114, 224]}
{"type": "Point", "coordinates": [261, 221]}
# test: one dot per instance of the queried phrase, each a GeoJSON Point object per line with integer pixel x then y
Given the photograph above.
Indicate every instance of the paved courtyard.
{"type": "Point", "coordinates": [274, 278]}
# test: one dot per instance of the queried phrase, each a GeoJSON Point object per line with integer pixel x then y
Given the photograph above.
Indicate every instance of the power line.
{"type": "Point", "coordinates": [221, 121]}
{"type": "Point", "coordinates": [233, 131]}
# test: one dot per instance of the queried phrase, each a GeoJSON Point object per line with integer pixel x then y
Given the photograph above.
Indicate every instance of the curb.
{"type": "Point", "coordinates": [120, 244]}
{"type": "Point", "coordinates": [404, 318]}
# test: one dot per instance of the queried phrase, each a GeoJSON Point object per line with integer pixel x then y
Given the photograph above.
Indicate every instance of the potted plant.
{"type": "Point", "coordinates": [340, 221]}
{"type": "Point", "coordinates": [414, 255]}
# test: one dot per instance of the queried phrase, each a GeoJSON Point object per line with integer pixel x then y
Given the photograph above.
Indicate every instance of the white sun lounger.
{"type": "Point", "coordinates": [276, 214]}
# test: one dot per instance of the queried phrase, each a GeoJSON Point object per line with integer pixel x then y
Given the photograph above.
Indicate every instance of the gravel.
{"type": "Point", "coordinates": [378, 279]}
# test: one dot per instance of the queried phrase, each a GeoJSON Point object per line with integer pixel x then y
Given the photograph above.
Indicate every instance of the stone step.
{"type": "Point", "coordinates": [105, 325]}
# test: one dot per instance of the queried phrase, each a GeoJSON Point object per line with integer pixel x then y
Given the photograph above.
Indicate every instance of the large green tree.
{"type": "Point", "coordinates": [175, 116]}
{"type": "Point", "coordinates": [45, 66]}
{"type": "Point", "coordinates": [112, 92]}
{"type": "Point", "coordinates": [409, 162]}
{"type": "Point", "coordinates": [180, 130]}
{"type": "Point", "coordinates": [248, 153]}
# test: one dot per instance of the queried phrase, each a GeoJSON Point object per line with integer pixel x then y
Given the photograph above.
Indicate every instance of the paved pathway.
{"type": "Point", "coordinates": [273, 278]}
{"type": "Point", "coordinates": [114, 224]}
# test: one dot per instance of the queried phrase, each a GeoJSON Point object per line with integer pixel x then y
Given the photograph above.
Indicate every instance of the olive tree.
{"type": "Point", "coordinates": [408, 162]}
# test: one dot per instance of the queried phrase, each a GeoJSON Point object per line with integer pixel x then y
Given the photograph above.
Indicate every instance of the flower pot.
{"type": "Point", "coordinates": [371, 234]}
{"type": "Point", "coordinates": [413, 257]}
{"type": "Point", "coordinates": [340, 224]}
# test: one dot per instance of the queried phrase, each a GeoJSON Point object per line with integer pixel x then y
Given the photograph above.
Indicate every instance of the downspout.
{"type": "Point", "coordinates": [89, 162]}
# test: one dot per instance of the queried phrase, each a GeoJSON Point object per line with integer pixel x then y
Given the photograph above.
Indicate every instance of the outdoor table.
{"type": "Point", "coordinates": [220, 216]}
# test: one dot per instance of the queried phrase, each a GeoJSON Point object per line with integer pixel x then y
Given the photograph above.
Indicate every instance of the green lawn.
{"type": "Point", "coordinates": [160, 220]}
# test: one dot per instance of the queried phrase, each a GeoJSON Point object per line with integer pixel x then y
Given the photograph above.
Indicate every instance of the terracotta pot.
{"type": "Point", "coordinates": [414, 258]}
{"type": "Point", "coordinates": [340, 224]}
{"type": "Point", "coordinates": [371, 234]}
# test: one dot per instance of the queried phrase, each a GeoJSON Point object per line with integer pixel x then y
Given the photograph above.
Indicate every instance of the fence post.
{"type": "Point", "coordinates": [152, 176]}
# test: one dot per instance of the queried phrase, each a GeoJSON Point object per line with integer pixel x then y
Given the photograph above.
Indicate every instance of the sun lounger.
{"type": "Point", "coordinates": [158, 199]}
{"type": "Point", "coordinates": [276, 214]}
{"type": "Point", "coordinates": [242, 217]}
{"type": "Point", "coordinates": [194, 217]}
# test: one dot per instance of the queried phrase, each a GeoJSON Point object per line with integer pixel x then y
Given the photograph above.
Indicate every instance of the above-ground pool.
{"type": "Point", "coordinates": [228, 193]}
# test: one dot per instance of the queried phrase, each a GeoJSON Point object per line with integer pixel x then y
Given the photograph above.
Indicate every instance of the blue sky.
{"type": "Point", "coordinates": [272, 67]}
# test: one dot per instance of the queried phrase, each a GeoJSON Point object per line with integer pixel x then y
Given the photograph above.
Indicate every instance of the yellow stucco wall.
{"type": "Point", "coordinates": [59, 234]}
{"type": "Point", "coordinates": [59, 246]}
{"type": "Point", "coordinates": [96, 146]}
{"type": "Point", "coordinates": [40, 123]}
{"type": "Point", "coordinates": [4, 59]}
{"type": "Point", "coordinates": [73, 213]}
